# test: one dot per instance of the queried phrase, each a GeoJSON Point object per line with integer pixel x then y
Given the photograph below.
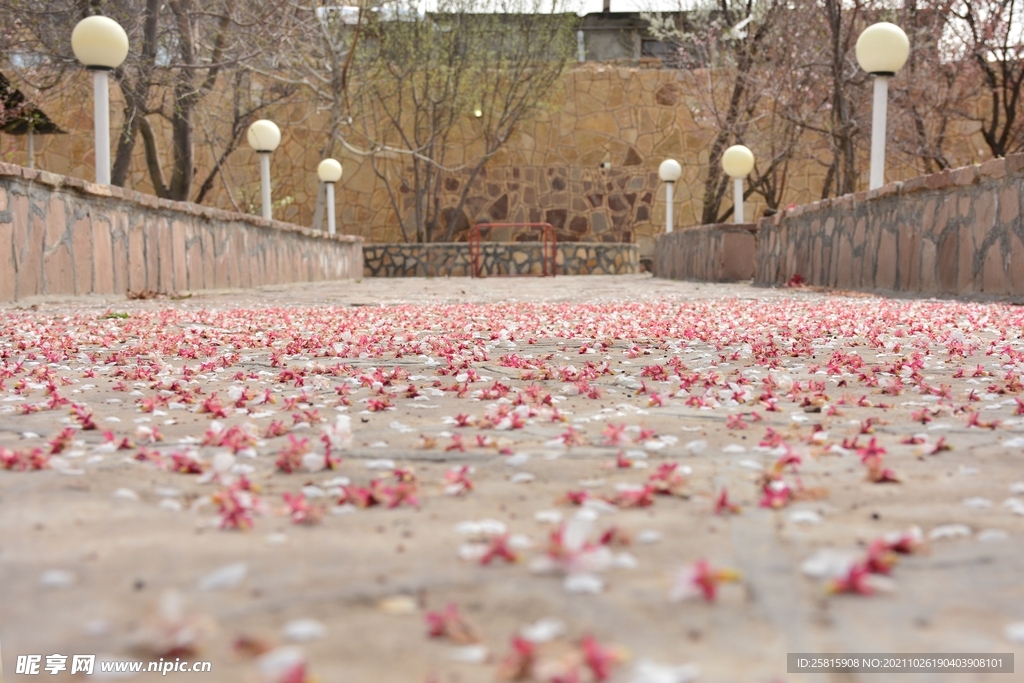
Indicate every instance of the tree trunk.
{"type": "Point", "coordinates": [136, 97]}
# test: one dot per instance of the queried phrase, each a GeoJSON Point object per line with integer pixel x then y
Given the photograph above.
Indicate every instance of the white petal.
{"type": "Point", "coordinates": [469, 654]}
{"type": "Point", "coordinates": [583, 583]}
{"type": "Point", "coordinates": [827, 563]}
{"type": "Point", "coordinates": [647, 671]}
{"type": "Point", "coordinates": [648, 536]}
{"type": "Point", "coordinates": [548, 516]}
{"type": "Point", "coordinates": [1015, 632]}
{"type": "Point", "coordinates": [227, 576]}
{"type": "Point", "coordinates": [280, 661]}
{"type": "Point", "coordinates": [126, 494]}
{"type": "Point", "coordinates": [804, 517]}
{"type": "Point", "coordinates": [949, 531]}
{"type": "Point", "coordinates": [301, 630]}
{"type": "Point", "coordinates": [380, 464]}
{"type": "Point", "coordinates": [543, 630]}
{"type": "Point", "coordinates": [56, 578]}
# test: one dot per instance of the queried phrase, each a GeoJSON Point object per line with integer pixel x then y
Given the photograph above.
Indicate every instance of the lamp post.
{"type": "Point", "coordinates": [101, 45]}
{"type": "Point", "coordinates": [882, 50]}
{"type": "Point", "coordinates": [329, 172]}
{"type": "Point", "coordinates": [669, 171]}
{"type": "Point", "coordinates": [264, 136]}
{"type": "Point", "coordinates": [737, 162]}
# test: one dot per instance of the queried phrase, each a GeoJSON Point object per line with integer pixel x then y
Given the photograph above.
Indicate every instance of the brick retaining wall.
{"type": "Point", "coordinates": [709, 253]}
{"type": "Point", "coordinates": [62, 235]}
{"type": "Point", "coordinates": [441, 259]}
{"type": "Point", "coordinates": [956, 232]}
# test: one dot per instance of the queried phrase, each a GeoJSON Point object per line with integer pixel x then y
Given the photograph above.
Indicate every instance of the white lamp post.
{"type": "Point", "coordinates": [264, 136]}
{"type": "Point", "coordinates": [329, 172]}
{"type": "Point", "coordinates": [882, 50]}
{"type": "Point", "coordinates": [669, 172]}
{"type": "Point", "coordinates": [737, 162]}
{"type": "Point", "coordinates": [101, 45]}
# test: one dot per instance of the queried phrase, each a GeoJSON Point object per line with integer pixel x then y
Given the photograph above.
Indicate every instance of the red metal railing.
{"type": "Point", "coordinates": [549, 247]}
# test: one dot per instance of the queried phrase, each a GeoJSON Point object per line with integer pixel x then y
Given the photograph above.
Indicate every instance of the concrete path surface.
{"type": "Point", "coordinates": [453, 480]}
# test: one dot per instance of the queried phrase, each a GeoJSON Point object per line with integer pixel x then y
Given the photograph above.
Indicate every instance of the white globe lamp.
{"type": "Point", "coordinates": [264, 136]}
{"type": "Point", "coordinates": [669, 172]}
{"type": "Point", "coordinates": [101, 45]}
{"type": "Point", "coordinates": [737, 162]}
{"type": "Point", "coordinates": [882, 50]}
{"type": "Point", "coordinates": [329, 172]}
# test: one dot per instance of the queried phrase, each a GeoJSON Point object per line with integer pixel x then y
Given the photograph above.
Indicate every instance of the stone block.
{"type": "Point", "coordinates": [948, 256]}
{"type": "Point", "coordinates": [993, 274]}
{"type": "Point", "coordinates": [119, 249]}
{"type": "Point", "coordinates": [51, 179]}
{"type": "Point", "coordinates": [164, 256]}
{"type": "Point", "coordinates": [929, 280]}
{"type": "Point", "coordinates": [82, 255]}
{"type": "Point", "coordinates": [8, 268]}
{"type": "Point", "coordinates": [885, 264]}
{"type": "Point", "coordinates": [843, 202]}
{"type": "Point", "coordinates": [967, 280]}
{"type": "Point", "coordinates": [28, 247]}
{"type": "Point", "coordinates": [964, 204]}
{"type": "Point", "coordinates": [137, 266]}
{"type": "Point", "coordinates": [887, 190]}
{"type": "Point", "coordinates": [1009, 206]}
{"type": "Point", "coordinates": [178, 266]}
{"type": "Point", "coordinates": [1015, 265]}
{"type": "Point", "coordinates": [968, 175]}
{"type": "Point", "coordinates": [1014, 163]}
{"type": "Point", "coordinates": [70, 182]}
{"type": "Point", "coordinates": [914, 185]}
{"type": "Point", "coordinates": [53, 212]}
{"type": "Point", "coordinates": [58, 269]}
{"type": "Point", "coordinates": [102, 256]}
{"type": "Point", "coordinates": [910, 259]}
{"type": "Point", "coordinates": [984, 216]}
{"type": "Point", "coordinates": [994, 168]}
{"type": "Point", "coordinates": [96, 190]}
{"type": "Point", "coordinates": [940, 180]}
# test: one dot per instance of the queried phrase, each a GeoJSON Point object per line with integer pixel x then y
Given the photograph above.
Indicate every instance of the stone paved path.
{"type": "Point", "coordinates": [638, 400]}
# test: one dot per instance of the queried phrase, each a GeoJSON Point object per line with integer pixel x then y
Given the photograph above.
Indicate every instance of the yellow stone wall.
{"type": "Point", "coordinates": [632, 117]}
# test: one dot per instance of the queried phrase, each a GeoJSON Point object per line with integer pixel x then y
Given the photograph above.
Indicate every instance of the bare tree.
{"type": "Point", "coordinates": [726, 50]}
{"type": "Point", "coordinates": [428, 98]}
{"type": "Point", "coordinates": [180, 49]}
{"type": "Point", "coordinates": [930, 98]}
{"type": "Point", "coordinates": [990, 35]}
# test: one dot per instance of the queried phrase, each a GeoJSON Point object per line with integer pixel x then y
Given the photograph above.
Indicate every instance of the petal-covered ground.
{"type": "Point", "coordinates": [569, 480]}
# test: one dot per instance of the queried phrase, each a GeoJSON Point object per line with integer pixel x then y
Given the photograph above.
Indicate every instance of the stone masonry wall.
{"type": "Point", "coordinates": [61, 235]}
{"type": "Point", "coordinates": [958, 232]}
{"type": "Point", "coordinates": [443, 259]}
{"type": "Point", "coordinates": [709, 253]}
